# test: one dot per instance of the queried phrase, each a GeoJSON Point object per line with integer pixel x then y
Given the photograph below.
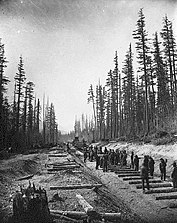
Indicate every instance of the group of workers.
{"type": "Point", "coordinates": [105, 158]}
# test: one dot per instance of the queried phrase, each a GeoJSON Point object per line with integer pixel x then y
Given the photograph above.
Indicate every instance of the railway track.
{"type": "Point", "coordinates": [161, 197]}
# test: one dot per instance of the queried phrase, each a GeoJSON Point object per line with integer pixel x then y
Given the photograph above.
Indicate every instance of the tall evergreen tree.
{"type": "Point", "coordinates": [170, 58]}
{"type": "Point", "coordinates": [129, 94]}
{"type": "Point", "coordinates": [164, 105]}
{"type": "Point", "coordinates": [140, 34]}
{"type": "Point", "coordinates": [3, 88]}
{"type": "Point", "coordinates": [19, 82]}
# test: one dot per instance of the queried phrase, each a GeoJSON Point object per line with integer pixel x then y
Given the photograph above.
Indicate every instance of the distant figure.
{"type": "Point", "coordinates": [162, 167]}
{"type": "Point", "coordinates": [112, 157]}
{"type": "Point", "coordinates": [132, 160]}
{"type": "Point", "coordinates": [151, 166]}
{"type": "Point", "coordinates": [124, 158]}
{"type": "Point", "coordinates": [85, 154]}
{"type": "Point", "coordinates": [144, 176]}
{"type": "Point", "coordinates": [136, 163]}
{"type": "Point", "coordinates": [91, 154]}
{"type": "Point", "coordinates": [97, 158]}
{"type": "Point", "coordinates": [105, 161]}
{"type": "Point", "coordinates": [174, 175]}
{"type": "Point", "coordinates": [68, 147]}
{"type": "Point", "coordinates": [117, 157]}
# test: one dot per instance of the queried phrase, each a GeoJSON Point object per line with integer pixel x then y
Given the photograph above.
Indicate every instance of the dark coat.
{"type": "Point", "coordinates": [174, 174]}
{"type": "Point", "coordinates": [151, 163]}
{"type": "Point", "coordinates": [162, 166]}
{"type": "Point", "coordinates": [144, 172]}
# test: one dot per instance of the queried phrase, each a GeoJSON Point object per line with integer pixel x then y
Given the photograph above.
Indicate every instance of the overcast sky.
{"type": "Point", "coordinates": [68, 44]}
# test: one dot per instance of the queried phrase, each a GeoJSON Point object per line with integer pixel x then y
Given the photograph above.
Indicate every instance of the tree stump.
{"type": "Point", "coordinates": [30, 205]}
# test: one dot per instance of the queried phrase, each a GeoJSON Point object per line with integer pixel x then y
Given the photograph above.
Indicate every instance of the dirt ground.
{"type": "Point", "coordinates": [115, 196]}
{"type": "Point", "coordinates": [22, 165]}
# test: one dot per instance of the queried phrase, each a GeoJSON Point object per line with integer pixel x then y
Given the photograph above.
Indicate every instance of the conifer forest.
{"type": "Point", "coordinates": [26, 122]}
{"type": "Point", "coordinates": [134, 105]}
{"type": "Point", "coordinates": [136, 101]}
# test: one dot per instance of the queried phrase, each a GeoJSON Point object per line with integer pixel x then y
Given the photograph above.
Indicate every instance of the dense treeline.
{"type": "Point", "coordinates": [132, 105]}
{"type": "Point", "coordinates": [20, 120]}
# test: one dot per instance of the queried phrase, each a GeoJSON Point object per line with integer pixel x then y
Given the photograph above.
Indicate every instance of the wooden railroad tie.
{"type": "Point", "coordinates": [133, 178]}
{"type": "Point", "coordinates": [170, 190]}
{"type": "Point", "coordinates": [129, 175]}
{"type": "Point", "coordinates": [126, 172]}
{"type": "Point", "coordinates": [167, 197]}
{"type": "Point", "coordinates": [58, 155]}
{"type": "Point", "coordinates": [71, 187]}
{"type": "Point", "coordinates": [155, 185]}
{"type": "Point", "coordinates": [139, 181]}
{"type": "Point", "coordinates": [63, 168]}
{"type": "Point", "coordinates": [61, 164]}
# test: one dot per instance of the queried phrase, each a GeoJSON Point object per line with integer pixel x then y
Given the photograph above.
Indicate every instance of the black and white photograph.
{"type": "Point", "coordinates": [88, 111]}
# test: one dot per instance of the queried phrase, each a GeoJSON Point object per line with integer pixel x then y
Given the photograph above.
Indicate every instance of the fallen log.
{"type": "Point", "coordinates": [25, 177]}
{"type": "Point", "coordinates": [168, 197]}
{"type": "Point", "coordinates": [170, 190]}
{"type": "Point", "coordinates": [82, 215]}
{"type": "Point", "coordinates": [71, 214]}
{"type": "Point", "coordinates": [86, 206]}
{"type": "Point", "coordinates": [139, 181]}
{"type": "Point", "coordinates": [155, 185]}
{"type": "Point", "coordinates": [61, 216]}
{"type": "Point", "coordinates": [71, 187]}
{"type": "Point", "coordinates": [58, 155]}
{"type": "Point", "coordinates": [129, 175]}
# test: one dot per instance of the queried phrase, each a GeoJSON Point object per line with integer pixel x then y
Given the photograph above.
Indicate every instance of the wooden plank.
{"type": "Point", "coordinates": [139, 181]}
{"type": "Point", "coordinates": [155, 185]}
{"type": "Point", "coordinates": [133, 178]}
{"type": "Point", "coordinates": [58, 155]}
{"type": "Point", "coordinates": [61, 164]}
{"type": "Point", "coordinates": [170, 190]}
{"type": "Point", "coordinates": [126, 172]}
{"type": "Point", "coordinates": [129, 175]}
{"type": "Point", "coordinates": [63, 168]}
{"type": "Point", "coordinates": [71, 187]}
{"type": "Point", "coordinates": [167, 197]}
{"type": "Point", "coordinates": [25, 177]}
{"type": "Point", "coordinates": [82, 215]}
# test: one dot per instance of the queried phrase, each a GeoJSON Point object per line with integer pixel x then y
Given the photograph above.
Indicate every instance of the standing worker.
{"type": "Point", "coordinates": [144, 176]}
{"type": "Point", "coordinates": [151, 166]}
{"type": "Point", "coordinates": [174, 175]}
{"type": "Point", "coordinates": [132, 160]}
{"type": "Point", "coordinates": [105, 161]}
{"type": "Point", "coordinates": [97, 158]}
{"type": "Point", "coordinates": [136, 163]}
{"type": "Point", "coordinates": [85, 154]}
{"type": "Point", "coordinates": [162, 167]}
